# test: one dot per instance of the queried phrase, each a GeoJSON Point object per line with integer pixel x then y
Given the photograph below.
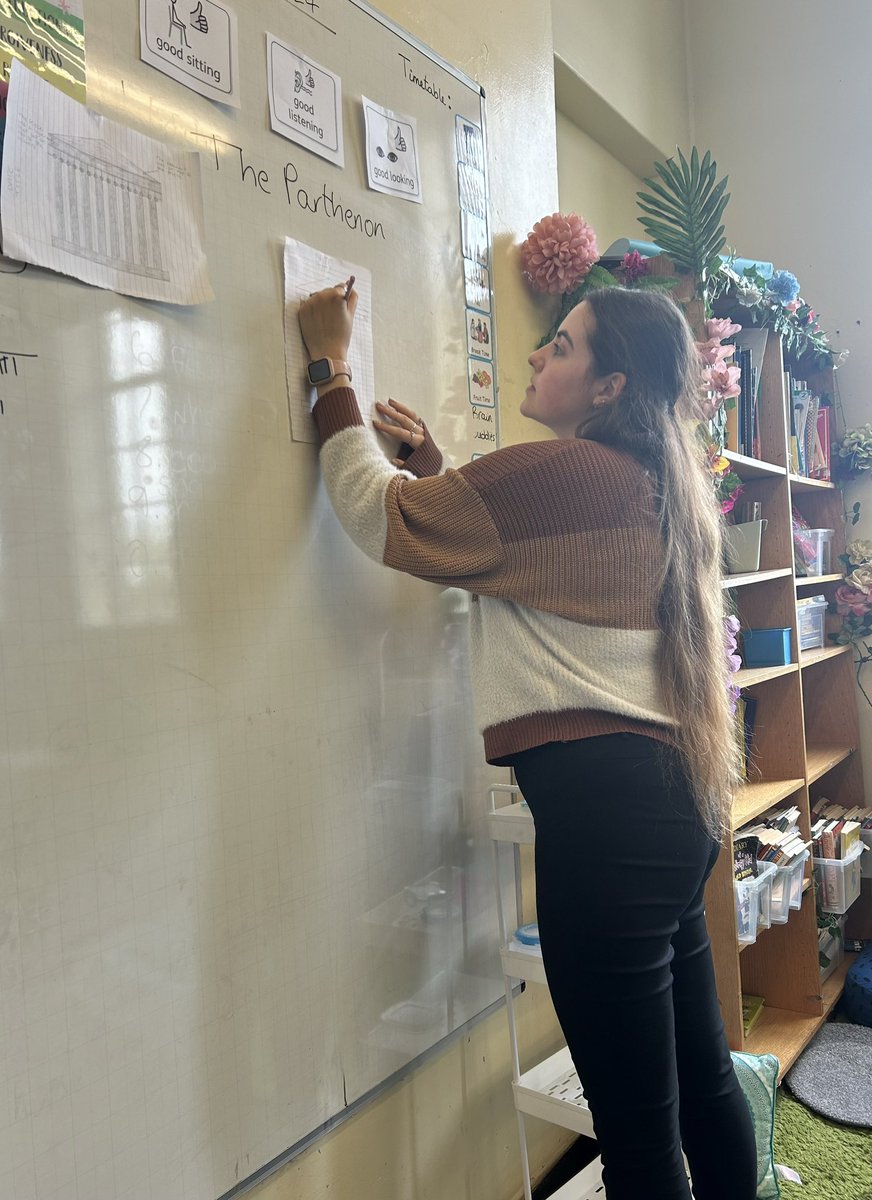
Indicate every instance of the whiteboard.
{"type": "Point", "coordinates": [244, 874]}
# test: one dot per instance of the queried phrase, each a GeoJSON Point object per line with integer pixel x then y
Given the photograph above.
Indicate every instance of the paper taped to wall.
{"type": "Point", "coordinates": [85, 196]}
{"type": "Point", "coordinates": [309, 270]}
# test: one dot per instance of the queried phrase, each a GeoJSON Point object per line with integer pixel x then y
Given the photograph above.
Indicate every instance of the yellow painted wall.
{"type": "Point", "coordinates": [632, 53]}
{"type": "Point", "coordinates": [594, 184]}
{"type": "Point", "coordinates": [448, 1132]}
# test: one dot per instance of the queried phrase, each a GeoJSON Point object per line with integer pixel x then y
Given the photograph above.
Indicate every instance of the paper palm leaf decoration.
{"type": "Point", "coordinates": [683, 213]}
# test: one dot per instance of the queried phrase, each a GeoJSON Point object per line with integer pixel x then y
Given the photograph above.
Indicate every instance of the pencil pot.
{"type": "Point", "coordinates": [742, 546]}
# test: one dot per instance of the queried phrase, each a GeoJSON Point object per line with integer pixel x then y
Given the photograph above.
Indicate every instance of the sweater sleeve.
{"type": "Point", "coordinates": [435, 527]}
{"type": "Point", "coordinates": [566, 526]}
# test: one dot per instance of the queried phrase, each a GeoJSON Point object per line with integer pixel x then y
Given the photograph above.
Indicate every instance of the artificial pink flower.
{"type": "Point", "coordinates": [792, 305]}
{"type": "Point", "coordinates": [559, 252]}
{"type": "Point", "coordinates": [634, 266]}
{"type": "Point", "coordinates": [721, 327]}
{"type": "Point", "coordinates": [712, 352]}
{"type": "Point", "coordinates": [724, 379]}
{"type": "Point", "coordinates": [728, 504]}
{"type": "Point", "coordinates": [851, 600]}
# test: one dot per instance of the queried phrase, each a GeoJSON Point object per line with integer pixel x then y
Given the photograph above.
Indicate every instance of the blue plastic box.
{"type": "Point", "coordinates": [766, 647]}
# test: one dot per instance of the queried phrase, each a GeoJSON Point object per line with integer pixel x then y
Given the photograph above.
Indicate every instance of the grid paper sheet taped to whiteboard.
{"type": "Point", "coordinates": [309, 270]}
{"type": "Point", "coordinates": [85, 196]}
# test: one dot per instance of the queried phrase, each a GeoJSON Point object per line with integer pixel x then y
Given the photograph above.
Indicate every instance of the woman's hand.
{"type": "Point", "coordinates": [401, 423]}
{"type": "Point", "coordinates": [326, 321]}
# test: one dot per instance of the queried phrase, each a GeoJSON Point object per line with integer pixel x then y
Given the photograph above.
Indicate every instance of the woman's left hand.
{"type": "Point", "coordinates": [401, 423]}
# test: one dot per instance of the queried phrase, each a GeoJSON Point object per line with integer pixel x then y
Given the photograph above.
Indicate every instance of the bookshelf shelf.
{"type": "Point", "coordinates": [786, 1033]}
{"type": "Point", "coordinates": [752, 799]}
{"type": "Point", "coordinates": [802, 483]}
{"type": "Point", "coordinates": [753, 468]}
{"type": "Point", "coordinates": [817, 580]}
{"type": "Point", "coordinates": [734, 581]}
{"type": "Point", "coordinates": [820, 759]}
{"type": "Point", "coordinates": [749, 676]}
{"type": "Point", "coordinates": [809, 658]}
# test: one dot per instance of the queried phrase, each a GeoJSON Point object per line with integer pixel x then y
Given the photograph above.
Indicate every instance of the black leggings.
{"type": "Point", "coordinates": [621, 864]}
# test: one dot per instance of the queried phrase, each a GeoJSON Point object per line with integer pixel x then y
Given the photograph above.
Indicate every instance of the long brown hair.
{"type": "Point", "coordinates": [645, 336]}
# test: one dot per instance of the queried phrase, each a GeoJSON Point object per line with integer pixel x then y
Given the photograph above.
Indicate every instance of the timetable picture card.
{"type": "Point", "coordinates": [481, 384]}
{"type": "Point", "coordinates": [305, 101]}
{"type": "Point", "coordinates": [478, 334]}
{"type": "Point", "coordinates": [195, 43]}
{"type": "Point", "coordinates": [474, 239]}
{"type": "Point", "coordinates": [469, 143]}
{"type": "Point", "coordinates": [476, 279]}
{"type": "Point", "coordinates": [392, 152]}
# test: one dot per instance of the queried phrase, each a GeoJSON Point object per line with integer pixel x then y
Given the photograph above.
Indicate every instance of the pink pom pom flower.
{"type": "Point", "coordinates": [558, 253]}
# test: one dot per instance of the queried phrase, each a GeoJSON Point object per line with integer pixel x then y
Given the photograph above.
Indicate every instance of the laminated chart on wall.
{"type": "Point", "coordinates": [197, 46]}
{"type": "Point", "coordinates": [48, 38]}
{"type": "Point", "coordinates": [87, 197]}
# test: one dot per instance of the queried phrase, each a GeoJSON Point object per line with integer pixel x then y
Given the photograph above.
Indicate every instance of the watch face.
{"type": "Point", "coordinates": [320, 371]}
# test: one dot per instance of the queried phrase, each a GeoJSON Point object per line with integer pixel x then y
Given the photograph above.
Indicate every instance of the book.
{"type": "Point", "coordinates": [752, 1007]}
{"type": "Point", "coordinates": [822, 468]}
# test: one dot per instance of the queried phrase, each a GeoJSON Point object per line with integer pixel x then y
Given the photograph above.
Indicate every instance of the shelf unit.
{"type": "Point", "coordinates": [805, 738]}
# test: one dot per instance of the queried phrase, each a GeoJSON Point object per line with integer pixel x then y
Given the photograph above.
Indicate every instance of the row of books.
{"type": "Point", "coordinates": [742, 433]}
{"type": "Point", "coordinates": [774, 838]}
{"type": "Point", "coordinates": [836, 829]}
{"type": "Point", "coordinates": [809, 421]}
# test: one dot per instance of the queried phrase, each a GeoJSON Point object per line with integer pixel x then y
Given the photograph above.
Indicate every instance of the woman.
{"type": "Point", "coordinates": [599, 669]}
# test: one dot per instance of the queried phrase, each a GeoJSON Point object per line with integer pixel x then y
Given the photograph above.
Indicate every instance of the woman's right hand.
{"type": "Point", "coordinates": [401, 423]}
{"type": "Point", "coordinates": [326, 321]}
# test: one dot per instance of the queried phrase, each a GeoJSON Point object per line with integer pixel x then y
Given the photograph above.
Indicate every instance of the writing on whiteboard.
{"type": "Point", "coordinates": [324, 203]}
{"type": "Point", "coordinates": [9, 366]}
{"type": "Point", "coordinates": [425, 84]}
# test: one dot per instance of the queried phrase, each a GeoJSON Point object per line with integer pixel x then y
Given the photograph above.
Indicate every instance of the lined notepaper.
{"type": "Point", "coordinates": [87, 197]}
{"type": "Point", "coordinates": [309, 270]}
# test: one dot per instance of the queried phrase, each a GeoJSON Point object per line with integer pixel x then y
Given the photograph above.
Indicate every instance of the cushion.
{"type": "Point", "coordinates": [758, 1076]}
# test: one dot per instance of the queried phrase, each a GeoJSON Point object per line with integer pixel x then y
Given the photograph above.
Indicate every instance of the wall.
{"type": "Point", "coordinates": [631, 55]}
{"type": "Point", "coordinates": [448, 1131]}
{"type": "Point", "coordinates": [595, 184]}
{"type": "Point", "coordinates": [789, 124]}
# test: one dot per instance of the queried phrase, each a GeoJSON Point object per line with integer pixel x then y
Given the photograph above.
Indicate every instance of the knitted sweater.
{"type": "Point", "coordinates": [559, 542]}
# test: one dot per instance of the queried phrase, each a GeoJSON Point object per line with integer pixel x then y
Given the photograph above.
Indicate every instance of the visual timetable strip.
{"type": "Point", "coordinates": [475, 242]}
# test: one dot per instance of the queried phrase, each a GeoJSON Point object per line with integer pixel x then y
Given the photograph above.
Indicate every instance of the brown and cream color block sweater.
{"type": "Point", "coordinates": [560, 543]}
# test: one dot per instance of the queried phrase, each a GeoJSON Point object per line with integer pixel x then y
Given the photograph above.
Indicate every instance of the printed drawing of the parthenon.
{"type": "Point", "coordinates": [105, 210]}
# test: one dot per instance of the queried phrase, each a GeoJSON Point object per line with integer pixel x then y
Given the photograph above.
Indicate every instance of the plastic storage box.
{"type": "Point", "coordinates": [810, 618]}
{"type": "Point", "coordinates": [766, 647]}
{"type": "Point", "coordinates": [787, 889]}
{"type": "Point", "coordinates": [839, 880]}
{"type": "Point", "coordinates": [822, 541]}
{"type": "Point", "coordinates": [754, 903]}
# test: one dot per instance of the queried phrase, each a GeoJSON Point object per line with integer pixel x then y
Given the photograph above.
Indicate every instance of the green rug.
{"type": "Point", "coordinates": [835, 1162]}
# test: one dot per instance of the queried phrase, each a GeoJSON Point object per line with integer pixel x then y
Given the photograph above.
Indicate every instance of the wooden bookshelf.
{"type": "Point", "coordinates": [805, 737]}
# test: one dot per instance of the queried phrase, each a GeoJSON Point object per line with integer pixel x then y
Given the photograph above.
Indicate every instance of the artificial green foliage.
{"type": "Point", "coordinates": [747, 299]}
{"type": "Point", "coordinates": [683, 214]}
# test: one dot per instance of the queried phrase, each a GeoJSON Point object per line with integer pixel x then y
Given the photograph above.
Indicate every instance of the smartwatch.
{"type": "Point", "coordinates": [325, 370]}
